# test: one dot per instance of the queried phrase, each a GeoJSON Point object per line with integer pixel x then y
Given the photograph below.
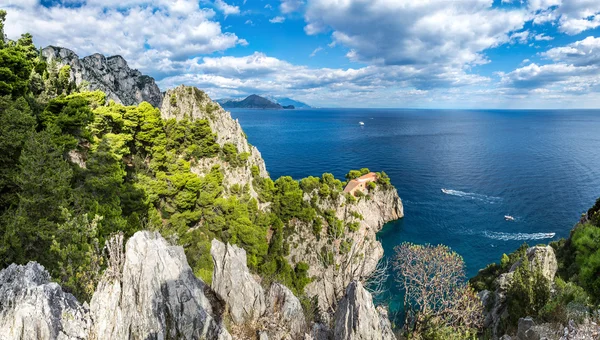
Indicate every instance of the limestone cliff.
{"type": "Point", "coordinates": [332, 266]}
{"type": "Point", "coordinates": [189, 102]}
{"type": "Point", "coordinates": [155, 296]}
{"type": "Point", "coordinates": [32, 307]}
{"type": "Point", "coordinates": [110, 75]}
{"type": "Point", "coordinates": [357, 318]}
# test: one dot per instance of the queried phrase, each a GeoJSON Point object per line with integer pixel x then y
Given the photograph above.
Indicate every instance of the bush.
{"type": "Point", "coordinates": [527, 294]}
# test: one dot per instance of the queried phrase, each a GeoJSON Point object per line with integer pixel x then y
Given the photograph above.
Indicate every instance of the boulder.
{"type": "Point", "coordinates": [356, 318]}
{"type": "Point", "coordinates": [157, 297]}
{"type": "Point", "coordinates": [32, 307]}
{"type": "Point", "coordinates": [233, 283]}
{"type": "Point", "coordinates": [526, 330]}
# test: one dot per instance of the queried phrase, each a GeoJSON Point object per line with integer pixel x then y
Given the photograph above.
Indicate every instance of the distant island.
{"type": "Point", "coordinates": [257, 102]}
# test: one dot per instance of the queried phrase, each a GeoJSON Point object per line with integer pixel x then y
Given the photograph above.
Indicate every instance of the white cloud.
{"type": "Point", "coordinates": [226, 8]}
{"type": "Point", "coordinates": [542, 37]}
{"type": "Point", "coordinates": [259, 73]}
{"type": "Point", "coordinates": [575, 70]}
{"type": "Point", "coordinates": [277, 20]}
{"type": "Point", "coordinates": [572, 16]}
{"type": "Point", "coordinates": [580, 53]}
{"type": "Point", "coordinates": [415, 32]}
{"type": "Point", "coordinates": [317, 50]}
{"type": "Point", "coordinates": [289, 6]}
{"type": "Point", "coordinates": [152, 35]}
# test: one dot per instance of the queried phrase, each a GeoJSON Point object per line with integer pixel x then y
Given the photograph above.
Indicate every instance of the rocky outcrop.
{"type": "Point", "coordinates": [110, 75]}
{"type": "Point", "coordinates": [232, 281]}
{"type": "Point", "coordinates": [540, 258]}
{"type": "Point", "coordinates": [189, 102]}
{"type": "Point", "coordinates": [158, 297]}
{"type": "Point", "coordinates": [357, 318]}
{"type": "Point", "coordinates": [32, 307]}
{"type": "Point", "coordinates": [285, 316]}
{"type": "Point", "coordinates": [334, 274]}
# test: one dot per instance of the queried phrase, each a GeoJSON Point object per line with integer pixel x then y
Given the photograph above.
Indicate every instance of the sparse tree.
{"type": "Point", "coordinates": [436, 292]}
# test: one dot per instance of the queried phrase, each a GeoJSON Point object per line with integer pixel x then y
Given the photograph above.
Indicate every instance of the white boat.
{"type": "Point", "coordinates": [361, 123]}
{"type": "Point", "coordinates": [509, 218]}
{"type": "Point", "coordinates": [445, 191]}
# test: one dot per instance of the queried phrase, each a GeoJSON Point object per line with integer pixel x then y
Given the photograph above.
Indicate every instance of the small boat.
{"type": "Point", "coordinates": [361, 123]}
{"type": "Point", "coordinates": [445, 191]}
{"type": "Point", "coordinates": [509, 218]}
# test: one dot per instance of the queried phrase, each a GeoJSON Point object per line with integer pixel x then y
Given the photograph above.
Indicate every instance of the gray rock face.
{"type": "Point", "coordinates": [189, 102]}
{"type": "Point", "coordinates": [357, 318]}
{"type": "Point", "coordinates": [284, 306]}
{"type": "Point", "coordinates": [32, 307]}
{"type": "Point", "coordinates": [158, 297]}
{"type": "Point", "coordinates": [541, 257]}
{"type": "Point", "coordinates": [234, 284]}
{"type": "Point", "coordinates": [111, 75]}
{"type": "Point", "coordinates": [526, 331]}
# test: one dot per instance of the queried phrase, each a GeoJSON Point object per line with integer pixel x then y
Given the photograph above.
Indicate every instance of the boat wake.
{"type": "Point", "coordinates": [471, 195]}
{"type": "Point", "coordinates": [517, 236]}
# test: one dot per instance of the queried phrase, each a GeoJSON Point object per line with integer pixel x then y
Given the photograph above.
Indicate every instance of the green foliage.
{"type": "Point", "coordinates": [16, 124]}
{"type": "Point", "coordinates": [15, 68]}
{"type": "Point", "coordinates": [527, 294]}
{"type": "Point", "coordinates": [384, 180]}
{"type": "Point", "coordinates": [309, 184]}
{"type": "Point", "coordinates": [586, 244]}
{"type": "Point", "coordinates": [43, 182]}
{"type": "Point", "coordinates": [173, 99]}
{"type": "Point", "coordinates": [449, 333]}
{"type": "Point", "coordinates": [78, 254]}
{"type": "Point", "coordinates": [568, 302]}
{"type": "Point", "coordinates": [485, 279]}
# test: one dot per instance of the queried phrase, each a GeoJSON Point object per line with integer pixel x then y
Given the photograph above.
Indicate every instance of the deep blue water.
{"type": "Point", "coordinates": [542, 167]}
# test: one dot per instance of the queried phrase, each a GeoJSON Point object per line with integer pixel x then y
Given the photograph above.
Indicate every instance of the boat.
{"type": "Point", "coordinates": [445, 191]}
{"type": "Point", "coordinates": [509, 218]}
{"type": "Point", "coordinates": [361, 123]}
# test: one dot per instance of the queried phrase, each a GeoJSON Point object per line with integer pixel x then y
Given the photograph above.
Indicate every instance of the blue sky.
{"type": "Point", "coordinates": [342, 53]}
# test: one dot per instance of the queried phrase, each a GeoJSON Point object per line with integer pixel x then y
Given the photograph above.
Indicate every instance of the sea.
{"type": "Point", "coordinates": [458, 172]}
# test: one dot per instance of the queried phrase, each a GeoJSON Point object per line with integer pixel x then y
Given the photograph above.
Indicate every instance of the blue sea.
{"type": "Point", "coordinates": [541, 167]}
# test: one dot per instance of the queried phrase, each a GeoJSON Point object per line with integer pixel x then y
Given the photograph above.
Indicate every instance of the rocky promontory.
{"type": "Point", "coordinates": [351, 256]}
{"type": "Point", "coordinates": [110, 75]}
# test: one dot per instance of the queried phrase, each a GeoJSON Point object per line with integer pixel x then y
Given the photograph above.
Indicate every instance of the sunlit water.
{"type": "Point", "coordinates": [541, 167]}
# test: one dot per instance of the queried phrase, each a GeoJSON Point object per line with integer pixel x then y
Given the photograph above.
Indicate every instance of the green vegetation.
{"type": "Point", "coordinates": [576, 288]}
{"type": "Point", "coordinates": [76, 169]}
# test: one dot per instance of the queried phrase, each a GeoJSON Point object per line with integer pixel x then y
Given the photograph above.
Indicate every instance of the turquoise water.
{"type": "Point", "coordinates": [542, 167]}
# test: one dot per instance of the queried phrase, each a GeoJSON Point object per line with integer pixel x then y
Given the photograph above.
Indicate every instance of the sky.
{"type": "Point", "coordinates": [342, 53]}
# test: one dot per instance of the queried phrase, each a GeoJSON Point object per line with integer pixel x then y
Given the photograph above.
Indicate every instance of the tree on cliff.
{"type": "Point", "coordinates": [437, 299]}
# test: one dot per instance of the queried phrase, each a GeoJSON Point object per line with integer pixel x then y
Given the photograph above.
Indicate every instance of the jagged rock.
{"type": "Point", "coordinates": [32, 307]}
{"type": "Point", "coordinates": [541, 257]}
{"type": "Point", "coordinates": [110, 75]}
{"type": "Point", "coordinates": [357, 318]}
{"type": "Point", "coordinates": [331, 281]}
{"type": "Point", "coordinates": [189, 102]}
{"type": "Point", "coordinates": [526, 331]}
{"type": "Point", "coordinates": [158, 297]}
{"type": "Point", "coordinates": [231, 280]}
{"type": "Point", "coordinates": [284, 306]}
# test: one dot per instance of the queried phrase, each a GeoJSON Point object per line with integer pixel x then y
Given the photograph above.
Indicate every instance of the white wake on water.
{"type": "Point", "coordinates": [517, 236]}
{"type": "Point", "coordinates": [471, 195]}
